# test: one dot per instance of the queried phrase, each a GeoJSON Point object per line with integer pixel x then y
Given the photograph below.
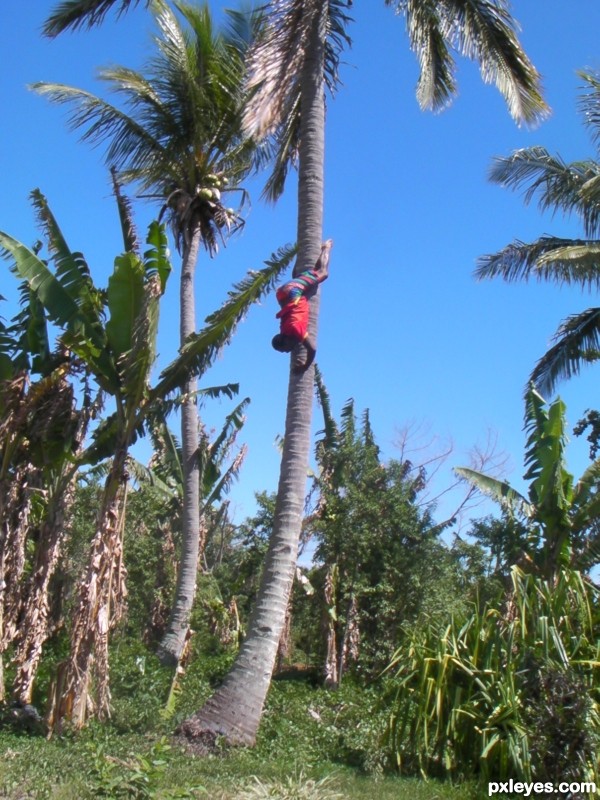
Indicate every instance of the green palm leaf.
{"type": "Point", "coordinates": [563, 261]}
{"type": "Point", "coordinates": [128, 229]}
{"type": "Point", "coordinates": [484, 31]}
{"type": "Point", "coordinates": [74, 14]}
{"type": "Point", "coordinates": [589, 103]}
{"type": "Point", "coordinates": [556, 185]}
{"type": "Point", "coordinates": [577, 342]}
{"type": "Point", "coordinates": [330, 429]}
{"type": "Point", "coordinates": [130, 142]}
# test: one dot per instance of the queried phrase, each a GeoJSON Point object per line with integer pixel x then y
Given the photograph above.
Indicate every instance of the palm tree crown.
{"type": "Point", "coordinates": [573, 189]}
{"type": "Point", "coordinates": [177, 134]}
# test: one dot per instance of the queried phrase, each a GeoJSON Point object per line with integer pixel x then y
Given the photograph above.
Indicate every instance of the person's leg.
{"type": "Point", "coordinates": [310, 278]}
{"type": "Point", "coordinates": [322, 265]}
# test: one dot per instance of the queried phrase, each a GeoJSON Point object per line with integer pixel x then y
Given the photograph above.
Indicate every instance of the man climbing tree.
{"type": "Point", "coordinates": [294, 315]}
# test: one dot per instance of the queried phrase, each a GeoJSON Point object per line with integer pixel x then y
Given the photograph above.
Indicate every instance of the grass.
{"type": "Point", "coordinates": [66, 770]}
{"type": "Point", "coordinates": [308, 734]}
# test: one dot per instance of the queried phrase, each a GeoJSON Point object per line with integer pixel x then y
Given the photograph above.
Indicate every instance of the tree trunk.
{"type": "Point", "coordinates": [100, 596]}
{"type": "Point", "coordinates": [330, 667]}
{"type": "Point", "coordinates": [15, 508]}
{"type": "Point", "coordinates": [173, 642]}
{"type": "Point", "coordinates": [234, 711]}
{"type": "Point", "coordinates": [33, 628]}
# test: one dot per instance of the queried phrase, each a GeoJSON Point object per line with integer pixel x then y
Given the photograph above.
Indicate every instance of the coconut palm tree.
{"type": "Point", "coordinates": [297, 54]}
{"type": "Point", "coordinates": [180, 141]}
{"type": "Point", "coordinates": [573, 189]}
{"type": "Point", "coordinates": [289, 66]}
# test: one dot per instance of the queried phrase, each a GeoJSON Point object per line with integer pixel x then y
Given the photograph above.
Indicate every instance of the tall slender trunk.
{"type": "Point", "coordinates": [173, 642]}
{"type": "Point", "coordinates": [234, 711]}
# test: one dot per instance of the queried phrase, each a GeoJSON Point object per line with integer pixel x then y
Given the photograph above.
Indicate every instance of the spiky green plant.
{"type": "Point", "coordinates": [294, 787]}
{"type": "Point", "coordinates": [461, 702]}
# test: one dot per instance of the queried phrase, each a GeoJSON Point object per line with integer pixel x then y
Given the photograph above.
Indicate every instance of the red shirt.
{"type": "Point", "coordinates": [294, 318]}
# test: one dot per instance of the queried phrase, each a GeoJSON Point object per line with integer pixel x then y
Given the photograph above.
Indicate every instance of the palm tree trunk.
{"type": "Point", "coordinates": [234, 711]}
{"type": "Point", "coordinates": [173, 642]}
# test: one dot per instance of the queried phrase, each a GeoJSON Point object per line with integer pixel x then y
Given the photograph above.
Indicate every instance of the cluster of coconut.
{"type": "Point", "coordinates": [211, 193]}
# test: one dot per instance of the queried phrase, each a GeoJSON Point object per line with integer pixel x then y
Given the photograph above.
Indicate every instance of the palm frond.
{"type": "Point", "coordinates": [75, 14]}
{"type": "Point", "coordinates": [330, 429]}
{"type": "Point", "coordinates": [484, 31]}
{"type": "Point", "coordinates": [283, 150]}
{"type": "Point", "coordinates": [128, 229]}
{"type": "Point", "coordinates": [589, 103]}
{"type": "Point", "coordinates": [215, 491]}
{"type": "Point", "coordinates": [577, 342]}
{"type": "Point", "coordinates": [436, 85]}
{"type": "Point", "coordinates": [276, 59]}
{"type": "Point", "coordinates": [572, 188]}
{"type": "Point", "coordinates": [564, 261]}
{"type": "Point", "coordinates": [130, 143]}
{"type": "Point", "coordinates": [200, 350]}
{"type": "Point", "coordinates": [275, 65]}
{"type": "Point", "coordinates": [234, 422]}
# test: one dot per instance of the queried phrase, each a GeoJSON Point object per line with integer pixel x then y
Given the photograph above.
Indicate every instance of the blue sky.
{"type": "Point", "coordinates": [405, 329]}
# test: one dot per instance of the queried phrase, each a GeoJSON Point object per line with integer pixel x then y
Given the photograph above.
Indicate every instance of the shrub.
{"type": "Point", "coordinates": [463, 701]}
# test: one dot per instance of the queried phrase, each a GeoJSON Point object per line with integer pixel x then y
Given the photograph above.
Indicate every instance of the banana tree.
{"type": "Point", "coordinates": [117, 347]}
{"type": "Point", "coordinates": [560, 514]}
{"type": "Point", "coordinates": [41, 433]}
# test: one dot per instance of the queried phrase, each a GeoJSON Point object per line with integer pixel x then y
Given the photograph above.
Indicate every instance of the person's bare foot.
{"type": "Point", "coordinates": [323, 260]}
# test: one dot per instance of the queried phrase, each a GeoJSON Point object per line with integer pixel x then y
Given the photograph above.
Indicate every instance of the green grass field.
{"type": "Point", "coordinates": [307, 734]}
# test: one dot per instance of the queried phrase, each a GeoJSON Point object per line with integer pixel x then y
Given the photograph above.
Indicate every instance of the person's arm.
{"type": "Point", "coordinates": [310, 356]}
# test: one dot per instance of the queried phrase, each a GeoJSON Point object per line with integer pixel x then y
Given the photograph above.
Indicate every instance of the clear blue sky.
{"type": "Point", "coordinates": [405, 329]}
